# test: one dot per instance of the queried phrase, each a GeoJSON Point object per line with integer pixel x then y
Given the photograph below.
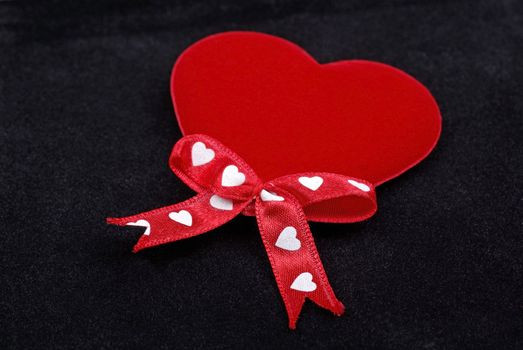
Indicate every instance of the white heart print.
{"type": "Point", "coordinates": [232, 177]}
{"type": "Point", "coordinates": [359, 185]}
{"type": "Point", "coordinates": [200, 154]}
{"type": "Point", "coordinates": [220, 203]}
{"type": "Point", "coordinates": [304, 283]}
{"type": "Point", "coordinates": [267, 196]}
{"type": "Point", "coordinates": [312, 183]}
{"type": "Point", "coordinates": [287, 239]}
{"type": "Point", "coordinates": [142, 223]}
{"type": "Point", "coordinates": [183, 217]}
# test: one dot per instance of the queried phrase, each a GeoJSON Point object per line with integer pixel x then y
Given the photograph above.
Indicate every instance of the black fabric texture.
{"type": "Point", "coordinates": [86, 128]}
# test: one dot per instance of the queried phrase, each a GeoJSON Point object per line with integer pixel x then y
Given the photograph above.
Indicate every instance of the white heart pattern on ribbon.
{"type": "Point", "coordinates": [220, 203]}
{"type": "Point", "coordinates": [142, 223]}
{"type": "Point", "coordinates": [287, 239]}
{"type": "Point", "coordinates": [359, 185]}
{"type": "Point", "coordinates": [267, 196]}
{"type": "Point", "coordinates": [304, 283]}
{"type": "Point", "coordinates": [312, 183]}
{"type": "Point", "coordinates": [200, 154]}
{"type": "Point", "coordinates": [183, 217]}
{"type": "Point", "coordinates": [232, 177]}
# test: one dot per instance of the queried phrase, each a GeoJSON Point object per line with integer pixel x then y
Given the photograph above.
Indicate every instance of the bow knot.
{"type": "Point", "coordinates": [227, 187]}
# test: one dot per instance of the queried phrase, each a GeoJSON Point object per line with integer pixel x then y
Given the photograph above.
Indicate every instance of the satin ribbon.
{"type": "Point", "coordinates": [227, 186]}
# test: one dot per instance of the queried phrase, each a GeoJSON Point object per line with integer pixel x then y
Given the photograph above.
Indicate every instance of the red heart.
{"type": "Point", "coordinates": [284, 113]}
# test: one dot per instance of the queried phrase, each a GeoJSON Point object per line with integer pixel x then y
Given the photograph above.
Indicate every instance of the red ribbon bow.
{"type": "Point", "coordinates": [227, 186]}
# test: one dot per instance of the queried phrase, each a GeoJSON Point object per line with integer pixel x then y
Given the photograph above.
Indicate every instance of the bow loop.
{"type": "Point", "coordinates": [328, 197]}
{"type": "Point", "coordinates": [227, 186]}
{"type": "Point", "coordinates": [205, 164]}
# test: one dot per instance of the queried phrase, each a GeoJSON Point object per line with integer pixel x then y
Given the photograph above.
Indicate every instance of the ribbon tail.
{"type": "Point", "coordinates": [192, 217]}
{"type": "Point", "coordinates": [294, 258]}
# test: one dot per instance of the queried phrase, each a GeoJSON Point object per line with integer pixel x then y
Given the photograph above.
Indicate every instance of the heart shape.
{"type": "Point", "coordinates": [359, 185]}
{"type": "Point", "coordinates": [142, 223]}
{"type": "Point", "coordinates": [200, 154]}
{"type": "Point", "coordinates": [285, 113]}
{"type": "Point", "coordinates": [232, 177]}
{"type": "Point", "coordinates": [182, 217]}
{"type": "Point", "coordinates": [267, 196]}
{"type": "Point", "coordinates": [287, 239]}
{"type": "Point", "coordinates": [304, 283]}
{"type": "Point", "coordinates": [220, 203]}
{"type": "Point", "coordinates": [312, 183]}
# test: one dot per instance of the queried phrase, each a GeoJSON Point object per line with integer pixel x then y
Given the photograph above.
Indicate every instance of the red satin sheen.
{"type": "Point", "coordinates": [293, 256]}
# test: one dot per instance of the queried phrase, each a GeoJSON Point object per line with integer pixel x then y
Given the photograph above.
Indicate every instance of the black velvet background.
{"type": "Point", "coordinates": [86, 127]}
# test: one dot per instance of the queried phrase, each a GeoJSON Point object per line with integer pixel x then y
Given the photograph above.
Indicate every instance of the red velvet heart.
{"type": "Point", "coordinates": [284, 113]}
